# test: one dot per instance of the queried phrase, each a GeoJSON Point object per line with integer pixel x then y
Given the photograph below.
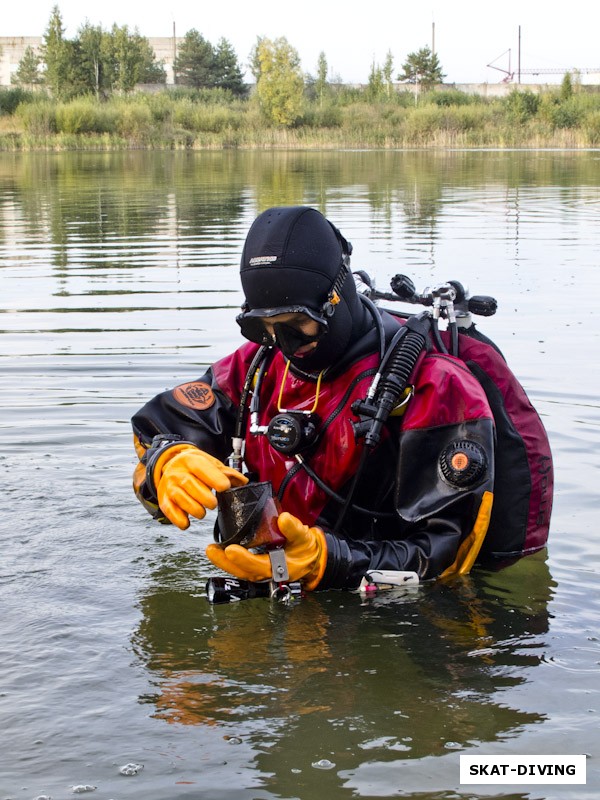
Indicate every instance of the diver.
{"type": "Point", "coordinates": [381, 449]}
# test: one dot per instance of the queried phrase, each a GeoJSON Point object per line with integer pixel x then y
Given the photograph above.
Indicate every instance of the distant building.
{"type": "Point", "coordinates": [591, 79]}
{"type": "Point", "coordinates": [12, 50]}
{"type": "Point", "coordinates": [165, 49]}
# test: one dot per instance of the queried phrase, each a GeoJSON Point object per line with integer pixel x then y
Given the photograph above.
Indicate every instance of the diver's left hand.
{"type": "Point", "coordinates": [305, 553]}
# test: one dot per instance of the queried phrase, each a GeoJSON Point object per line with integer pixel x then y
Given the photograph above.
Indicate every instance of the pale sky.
{"type": "Point", "coordinates": [469, 34]}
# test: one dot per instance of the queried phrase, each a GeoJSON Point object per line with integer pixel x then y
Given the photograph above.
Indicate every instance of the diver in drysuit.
{"type": "Point", "coordinates": [408, 489]}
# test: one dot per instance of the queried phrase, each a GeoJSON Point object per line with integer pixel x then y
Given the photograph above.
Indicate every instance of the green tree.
{"type": "Point", "coordinates": [77, 81]}
{"type": "Point", "coordinates": [55, 55]}
{"type": "Point", "coordinates": [92, 64]}
{"type": "Point", "coordinates": [149, 69]}
{"type": "Point", "coordinates": [566, 87]}
{"type": "Point", "coordinates": [129, 60]}
{"type": "Point", "coordinates": [280, 87]}
{"type": "Point", "coordinates": [254, 58]}
{"type": "Point", "coordinates": [194, 65]}
{"type": "Point", "coordinates": [227, 73]}
{"type": "Point", "coordinates": [386, 72]}
{"type": "Point", "coordinates": [422, 68]}
{"type": "Point", "coordinates": [376, 88]}
{"type": "Point", "coordinates": [321, 84]}
{"type": "Point", "coordinates": [28, 73]}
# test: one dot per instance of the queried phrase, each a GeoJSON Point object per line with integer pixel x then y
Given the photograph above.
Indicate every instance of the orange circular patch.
{"type": "Point", "coordinates": [194, 395]}
{"type": "Point", "coordinates": [459, 461]}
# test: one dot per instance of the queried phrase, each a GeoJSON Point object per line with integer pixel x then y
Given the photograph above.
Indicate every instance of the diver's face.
{"type": "Point", "coordinates": [305, 326]}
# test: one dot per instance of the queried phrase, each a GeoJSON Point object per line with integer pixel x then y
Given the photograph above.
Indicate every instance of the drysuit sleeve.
{"type": "Point", "coordinates": [443, 490]}
{"type": "Point", "coordinates": [201, 412]}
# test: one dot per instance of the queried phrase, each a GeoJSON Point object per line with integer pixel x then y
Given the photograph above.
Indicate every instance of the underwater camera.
{"type": "Point", "coordinates": [247, 516]}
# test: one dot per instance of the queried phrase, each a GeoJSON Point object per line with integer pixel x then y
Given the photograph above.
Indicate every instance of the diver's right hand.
{"type": "Point", "coordinates": [185, 477]}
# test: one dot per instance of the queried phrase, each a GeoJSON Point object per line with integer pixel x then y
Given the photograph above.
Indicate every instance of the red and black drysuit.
{"type": "Point", "coordinates": [417, 498]}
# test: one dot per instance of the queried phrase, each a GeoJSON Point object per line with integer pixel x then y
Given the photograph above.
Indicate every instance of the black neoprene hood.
{"type": "Point", "coordinates": [291, 258]}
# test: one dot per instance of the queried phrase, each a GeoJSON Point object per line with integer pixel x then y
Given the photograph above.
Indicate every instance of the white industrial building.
{"type": "Point", "coordinates": [12, 49]}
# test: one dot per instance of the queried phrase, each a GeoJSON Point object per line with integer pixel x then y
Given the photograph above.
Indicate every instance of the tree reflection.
{"type": "Point", "coordinates": [67, 197]}
{"type": "Point", "coordinates": [338, 677]}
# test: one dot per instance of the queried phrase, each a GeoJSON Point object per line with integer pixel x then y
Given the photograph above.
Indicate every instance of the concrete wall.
{"type": "Point", "coordinates": [591, 79]}
{"type": "Point", "coordinates": [165, 48]}
{"type": "Point", "coordinates": [493, 90]}
{"type": "Point", "coordinates": [12, 50]}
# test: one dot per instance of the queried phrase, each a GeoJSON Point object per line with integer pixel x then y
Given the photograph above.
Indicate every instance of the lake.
{"type": "Point", "coordinates": [119, 276]}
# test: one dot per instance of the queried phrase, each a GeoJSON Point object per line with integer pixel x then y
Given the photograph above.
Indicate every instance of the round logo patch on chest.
{"type": "Point", "coordinates": [195, 395]}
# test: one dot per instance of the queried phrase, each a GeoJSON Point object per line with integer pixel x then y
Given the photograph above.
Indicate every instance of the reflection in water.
{"type": "Point", "coordinates": [125, 194]}
{"type": "Point", "coordinates": [338, 677]}
{"type": "Point", "coordinates": [122, 230]}
{"type": "Point", "coordinates": [75, 202]}
{"type": "Point", "coordinates": [119, 277]}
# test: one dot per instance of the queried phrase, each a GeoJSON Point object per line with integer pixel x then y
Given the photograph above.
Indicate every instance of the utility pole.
{"type": "Point", "coordinates": [433, 38]}
{"type": "Point", "coordinates": [519, 58]}
{"type": "Point", "coordinates": [174, 54]}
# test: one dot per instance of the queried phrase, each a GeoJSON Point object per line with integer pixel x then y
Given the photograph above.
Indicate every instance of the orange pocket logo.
{"type": "Point", "coordinates": [194, 395]}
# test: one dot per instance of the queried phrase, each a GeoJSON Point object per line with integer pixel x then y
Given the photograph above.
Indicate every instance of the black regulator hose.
{"type": "Point", "coordinates": [257, 361]}
{"type": "Point", "coordinates": [374, 311]}
{"type": "Point", "coordinates": [399, 363]}
{"type": "Point", "coordinates": [338, 497]}
{"type": "Point", "coordinates": [455, 349]}
{"type": "Point", "coordinates": [348, 502]}
{"type": "Point", "coordinates": [399, 367]}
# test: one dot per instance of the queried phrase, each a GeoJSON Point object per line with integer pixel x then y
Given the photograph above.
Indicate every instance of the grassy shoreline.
{"type": "Point", "coordinates": [166, 122]}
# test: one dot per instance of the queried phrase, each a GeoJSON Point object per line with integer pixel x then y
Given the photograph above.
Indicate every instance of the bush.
{"type": "Point", "coordinates": [522, 106]}
{"type": "Point", "coordinates": [206, 118]}
{"type": "Point", "coordinates": [134, 121]}
{"type": "Point", "coordinates": [215, 119]}
{"type": "Point", "coordinates": [329, 116]}
{"type": "Point", "coordinates": [591, 126]}
{"type": "Point", "coordinates": [459, 119]}
{"type": "Point", "coordinates": [11, 98]}
{"type": "Point", "coordinates": [38, 119]}
{"type": "Point", "coordinates": [422, 123]}
{"type": "Point", "coordinates": [450, 97]}
{"type": "Point", "coordinates": [566, 115]}
{"type": "Point", "coordinates": [359, 116]}
{"type": "Point", "coordinates": [214, 95]}
{"type": "Point", "coordinates": [405, 99]}
{"type": "Point", "coordinates": [84, 116]}
{"type": "Point", "coordinates": [347, 95]}
{"type": "Point", "coordinates": [183, 114]}
{"type": "Point", "coordinates": [161, 106]}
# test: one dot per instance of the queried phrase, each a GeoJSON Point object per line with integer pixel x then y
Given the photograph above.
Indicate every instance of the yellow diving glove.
{"type": "Point", "coordinates": [305, 554]}
{"type": "Point", "coordinates": [184, 477]}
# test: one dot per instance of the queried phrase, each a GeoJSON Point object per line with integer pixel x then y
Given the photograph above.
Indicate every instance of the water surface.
{"type": "Point", "coordinates": [119, 278]}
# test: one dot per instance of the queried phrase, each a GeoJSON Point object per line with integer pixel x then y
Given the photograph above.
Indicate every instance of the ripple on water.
{"type": "Point", "coordinates": [575, 659]}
